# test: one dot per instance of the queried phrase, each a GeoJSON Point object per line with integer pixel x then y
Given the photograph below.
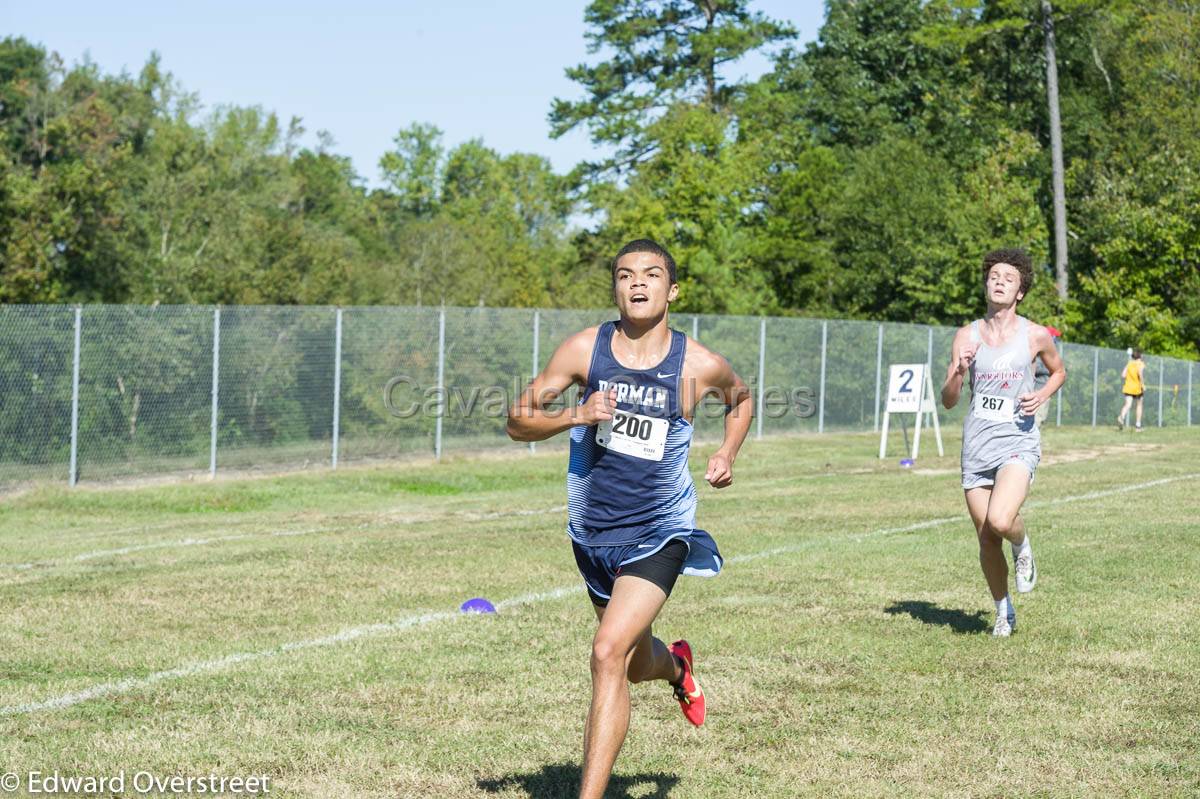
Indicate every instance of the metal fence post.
{"type": "Point", "coordinates": [216, 378]}
{"type": "Point", "coordinates": [537, 325]}
{"type": "Point", "coordinates": [337, 382]}
{"type": "Point", "coordinates": [74, 475]}
{"type": "Point", "coordinates": [1058, 395]}
{"type": "Point", "coordinates": [821, 395]}
{"type": "Point", "coordinates": [762, 365]}
{"type": "Point", "coordinates": [441, 383]}
{"type": "Point", "coordinates": [1189, 394]}
{"type": "Point", "coordinates": [878, 374]}
{"type": "Point", "coordinates": [929, 353]}
{"type": "Point", "coordinates": [1161, 361]}
{"type": "Point", "coordinates": [1095, 383]}
{"type": "Point", "coordinates": [695, 327]}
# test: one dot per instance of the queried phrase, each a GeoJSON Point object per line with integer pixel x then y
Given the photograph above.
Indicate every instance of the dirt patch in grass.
{"type": "Point", "coordinates": [1067, 456]}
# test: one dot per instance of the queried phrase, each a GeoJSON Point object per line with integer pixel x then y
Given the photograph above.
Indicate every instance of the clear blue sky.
{"type": "Point", "coordinates": [361, 70]}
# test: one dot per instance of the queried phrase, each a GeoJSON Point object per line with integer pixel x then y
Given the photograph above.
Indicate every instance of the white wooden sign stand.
{"type": "Point", "coordinates": [910, 390]}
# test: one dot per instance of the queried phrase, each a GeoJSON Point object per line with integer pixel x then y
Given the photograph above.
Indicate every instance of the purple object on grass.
{"type": "Point", "coordinates": [477, 605]}
{"type": "Point", "coordinates": [906, 462]}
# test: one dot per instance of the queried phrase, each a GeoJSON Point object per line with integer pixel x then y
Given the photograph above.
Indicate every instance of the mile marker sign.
{"type": "Point", "coordinates": [910, 390]}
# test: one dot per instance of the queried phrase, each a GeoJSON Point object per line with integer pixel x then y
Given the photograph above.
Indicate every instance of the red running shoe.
{"type": "Point", "coordinates": [688, 690]}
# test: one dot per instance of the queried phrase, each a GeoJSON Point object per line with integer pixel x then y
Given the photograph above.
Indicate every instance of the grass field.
{"type": "Point", "coordinates": [305, 627]}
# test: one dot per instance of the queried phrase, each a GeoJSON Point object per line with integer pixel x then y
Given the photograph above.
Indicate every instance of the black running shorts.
{"type": "Point", "coordinates": [601, 566]}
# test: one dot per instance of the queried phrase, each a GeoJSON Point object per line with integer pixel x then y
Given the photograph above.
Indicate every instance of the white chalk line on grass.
{"type": "Point", "coordinates": [209, 666]}
{"type": "Point", "coordinates": [424, 619]}
{"type": "Point", "coordinates": [221, 539]}
{"type": "Point", "coordinates": [1108, 492]}
{"type": "Point", "coordinates": [466, 515]}
{"type": "Point", "coordinates": [929, 523]}
{"type": "Point", "coordinates": [182, 542]}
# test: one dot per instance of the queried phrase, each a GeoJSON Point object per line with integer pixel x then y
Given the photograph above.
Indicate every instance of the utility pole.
{"type": "Point", "coordinates": [1056, 154]}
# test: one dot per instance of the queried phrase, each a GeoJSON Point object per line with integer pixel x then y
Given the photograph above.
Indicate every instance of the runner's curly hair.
{"type": "Point", "coordinates": [1013, 256]}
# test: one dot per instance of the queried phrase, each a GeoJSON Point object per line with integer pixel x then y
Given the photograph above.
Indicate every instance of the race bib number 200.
{"type": "Point", "coordinates": [994, 409]}
{"type": "Point", "coordinates": [633, 434]}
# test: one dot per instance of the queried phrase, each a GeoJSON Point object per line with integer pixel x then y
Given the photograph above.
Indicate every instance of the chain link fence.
{"type": "Point", "coordinates": [101, 392]}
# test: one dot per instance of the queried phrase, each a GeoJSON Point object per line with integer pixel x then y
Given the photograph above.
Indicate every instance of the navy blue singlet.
{"type": "Point", "coordinates": [628, 479]}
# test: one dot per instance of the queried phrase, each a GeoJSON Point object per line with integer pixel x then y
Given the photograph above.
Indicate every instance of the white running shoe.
{"type": "Point", "coordinates": [1026, 569]}
{"type": "Point", "coordinates": [1005, 625]}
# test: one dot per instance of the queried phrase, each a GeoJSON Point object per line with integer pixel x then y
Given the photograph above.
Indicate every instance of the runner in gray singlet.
{"type": "Point", "coordinates": [996, 432]}
{"type": "Point", "coordinates": [1000, 431]}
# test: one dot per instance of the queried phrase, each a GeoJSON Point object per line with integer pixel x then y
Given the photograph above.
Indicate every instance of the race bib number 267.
{"type": "Point", "coordinates": [993, 408]}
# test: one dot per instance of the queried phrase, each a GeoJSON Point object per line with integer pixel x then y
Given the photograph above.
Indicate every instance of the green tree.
{"type": "Point", "coordinates": [60, 187]}
{"type": "Point", "coordinates": [663, 52]}
{"type": "Point", "coordinates": [24, 81]}
{"type": "Point", "coordinates": [1139, 221]}
{"type": "Point", "coordinates": [875, 72]}
{"type": "Point", "coordinates": [414, 169]}
{"type": "Point", "coordinates": [471, 226]}
{"type": "Point", "coordinates": [908, 232]}
{"type": "Point", "coordinates": [694, 194]}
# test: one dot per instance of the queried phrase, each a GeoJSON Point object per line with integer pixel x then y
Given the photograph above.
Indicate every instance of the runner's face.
{"type": "Point", "coordinates": [1003, 285]}
{"type": "Point", "coordinates": [642, 286]}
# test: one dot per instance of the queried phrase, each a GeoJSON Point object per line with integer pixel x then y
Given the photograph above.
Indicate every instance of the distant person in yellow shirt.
{"type": "Point", "coordinates": [1134, 389]}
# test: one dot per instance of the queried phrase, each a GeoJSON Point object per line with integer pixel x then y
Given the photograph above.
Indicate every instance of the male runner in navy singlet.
{"type": "Point", "coordinates": [631, 501]}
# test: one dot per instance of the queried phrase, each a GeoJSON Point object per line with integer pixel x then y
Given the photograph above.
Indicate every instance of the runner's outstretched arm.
{"type": "Point", "coordinates": [532, 419]}
{"type": "Point", "coordinates": [719, 375]}
{"type": "Point", "coordinates": [962, 352]}
{"type": "Point", "coordinates": [1044, 345]}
